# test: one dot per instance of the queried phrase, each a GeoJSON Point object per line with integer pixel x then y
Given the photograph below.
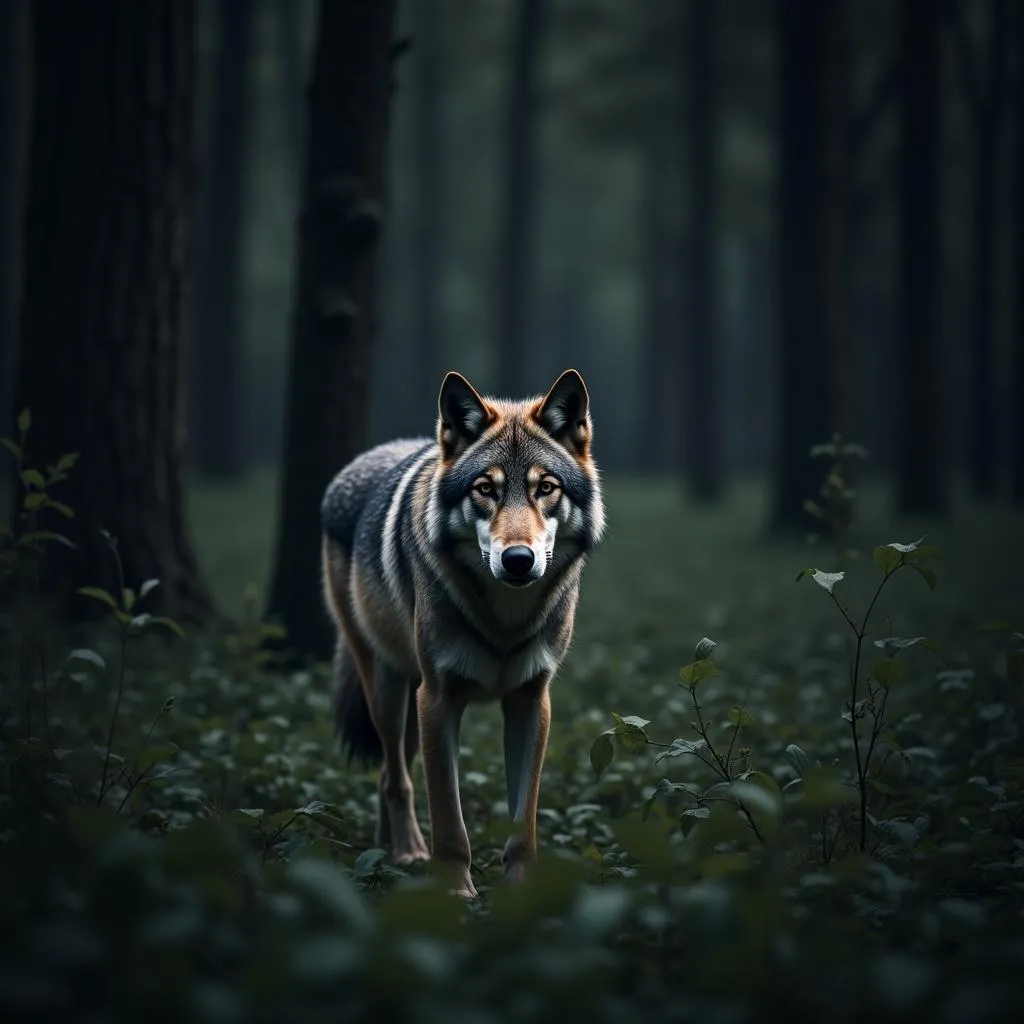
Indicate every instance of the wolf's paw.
{"type": "Point", "coordinates": [466, 890]}
{"type": "Point", "coordinates": [406, 858]}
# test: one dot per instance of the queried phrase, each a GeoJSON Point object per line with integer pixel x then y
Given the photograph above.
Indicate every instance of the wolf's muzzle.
{"type": "Point", "coordinates": [517, 561]}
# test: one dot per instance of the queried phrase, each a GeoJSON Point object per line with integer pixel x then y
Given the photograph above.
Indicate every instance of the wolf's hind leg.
{"type": "Point", "coordinates": [392, 694]}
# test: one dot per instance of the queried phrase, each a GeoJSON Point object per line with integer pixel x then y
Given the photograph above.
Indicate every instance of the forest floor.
{"type": "Point", "coordinates": [743, 879]}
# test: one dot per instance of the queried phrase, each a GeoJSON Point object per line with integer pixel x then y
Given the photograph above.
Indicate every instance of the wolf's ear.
{"type": "Point", "coordinates": [462, 415]}
{"type": "Point", "coordinates": [564, 413]}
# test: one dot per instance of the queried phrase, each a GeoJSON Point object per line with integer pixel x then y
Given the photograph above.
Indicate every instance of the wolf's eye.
{"type": "Point", "coordinates": [547, 486]}
{"type": "Point", "coordinates": [484, 488]}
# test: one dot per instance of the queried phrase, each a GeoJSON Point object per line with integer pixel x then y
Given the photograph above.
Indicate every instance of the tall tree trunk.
{"type": "Point", "coordinates": [835, 214]}
{"type": "Point", "coordinates": [290, 19]}
{"type": "Point", "coordinates": [13, 102]}
{"type": "Point", "coordinates": [106, 275]}
{"type": "Point", "coordinates": [983, 459]}
{"type": "Point", "coordinates": [803, 362]}
{"type": "Point", "coordinates": [429, 183]}
{"type": "Point", "coordinates": [215, 371]}
{"type": "Point", "coordinates": [702, 443]}
{"type": "Point", "coordinates": [514, 259]}
{"type": "Point", "coordinates": [657, 365]}
{"type": "Point", "coordinates": [1017, 401]}
{"type": "Point", "coordinates": [920, 479]}
{"type": "Point", "coordinates": [333, 327]}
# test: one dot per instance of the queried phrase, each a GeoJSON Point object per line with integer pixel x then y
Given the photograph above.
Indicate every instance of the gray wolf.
{"type": "Point", "coordinates": [452, 570]}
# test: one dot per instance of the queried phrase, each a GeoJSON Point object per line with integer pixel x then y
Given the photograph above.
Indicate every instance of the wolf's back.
{"type": "Point", "coordinates": [368, 480]}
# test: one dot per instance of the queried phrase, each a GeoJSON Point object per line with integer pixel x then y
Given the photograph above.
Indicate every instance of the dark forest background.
{"type": "Point", "coordinates": [750, 225]}
{"type": "Point", "coordinates": [783, 242]}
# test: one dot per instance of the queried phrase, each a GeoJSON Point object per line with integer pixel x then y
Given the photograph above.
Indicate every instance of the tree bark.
{"type": "Point", "coordinates": [985, 102]}
{"type": "Point", "coordinates": [429, 184]}
{"type": "Point", "coordinates": [333, 324]}
{"type": "Point", "coordinates": [920, 478]}
{"type": "Point", "coordinates": [657, 410]}
{"type": "Point", "coordinates": [13, 104]}
{"type": "Point", "coordinates": [804, 352]}
{"type": "Point", "coordinates": [1017, 401]}
{"type": "Point", "coordinates": [702, 442]}
{"type": "Point", "coordinates": [514, 262]}
{"type": "Point", "coordinates": [106, 258]}
{"type": "Point", "coordinates": [215, 369]}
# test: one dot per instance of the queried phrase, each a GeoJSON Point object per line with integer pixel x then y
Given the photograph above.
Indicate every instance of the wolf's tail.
{"type": "Point", "coordinates": [353, 725]}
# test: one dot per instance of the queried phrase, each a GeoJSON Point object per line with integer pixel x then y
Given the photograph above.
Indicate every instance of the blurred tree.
{"type": "Point", "coordinates": [106, 276]}
{"type": "Point", "coordinates": [1017, 393]}
{"type": "Point", "coordinates": [13, 104]}
{"type": "Point", "coordinates": [334, 323]}
{"type": "Point", "coordinates": [290, 24]}
{"type": "Point", "coordinates": [701, 442]}
{"type": "Point", "coordinates": [920, 477]}
{"type": "Point", "coordinates": [515, 257]}
{"type": "Point", "coordinates": [657, 355]}
{"type": "Point", "coordinates": [429, 220]}
{"type": "Point", "coordinates": [982, 72]}
{"type": "Point", "coordinates": [216, 364]}
{"type": "Point", "coordinates": [811, 271]}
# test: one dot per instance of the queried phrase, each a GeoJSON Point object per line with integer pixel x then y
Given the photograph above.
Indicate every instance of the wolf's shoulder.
{"type": "Point", "coordinates": [376, 470]}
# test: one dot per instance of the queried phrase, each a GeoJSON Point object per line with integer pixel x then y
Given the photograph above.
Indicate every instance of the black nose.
{"type": "Point", "coordinates": [517, 560]}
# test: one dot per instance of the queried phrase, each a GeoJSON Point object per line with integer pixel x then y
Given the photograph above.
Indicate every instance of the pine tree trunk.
{"type": "Point", "coordinates": [657, 410]}
{"type": "Point", "coordinates": [514, 261]}
{"type": "Point", "coordinates": [803, 360]}
{"type": "Point", "coordinates": [982, 454]}
{"type": "Point", "coordinates": [13, 104]}
{"type": "Point", "coordinates": [334, 321]}
{"type": "Point", "coordinates": [920, 478]}
{"type": "Point", "coordinates": [702, 442]}
{"type": "Point", "coordinates": [1017, 400]}
{"type": "Point", "coordinates": [215, 367]}
{"type": "Point", "coordinates": [427, 358]}
{"type": "Point", "coordinates": [106, 258]}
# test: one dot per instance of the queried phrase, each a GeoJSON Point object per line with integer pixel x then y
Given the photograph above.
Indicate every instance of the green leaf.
{"type": "Point", "coordinates": [927, 574]}
{"type": "Point", "coordinates": [147, 587]}
{"type": "Point", "coordinates": [825, 580]}
{"type": "Point", "coordinates": [368, 862]}
{"type": "Point", "coordinates": [740, 716]}
{"type": "Point", "coordinates": [98, 594]}
{"type": "Point", "coordinates": [892, 645]}
{"type": "Point", "coordinates": [167, 623]}
{"type": "Point", "coordinates": [87, 655]}
{"type": "Point", "coordinates": [14, 449]}
{"type": "Point", "coordinates": [66, 461]}
{"type": "Point", "coordinates": [35, 537]}
{"type": "Point", "coordinates": [33, 478]}
{"type": "Point", "coordinates": [905, 549]}
{"type": "Point", "coordinates": [887, 559]}
{"type": "Point", "coordinates": [888, 671]}
{"type": "Point", "coordinates": [59, 506]}
{"type": "Point", "coordinates": [24, 420]}
{"type": "Point", "coordinates": [680, 747]}
{"type": "Point", "coordinates": [34, 500]}
{"type": "Point", "coordinates": [799, 760]}
{"type": "Point", "coordinates": [697, 671]}
{"type": "Point", "coordinates": [127, 599]}
{"type": "Point", "coordinates": [630, 732]}
{"type": "Point", "coordinates": [602, 751]}
{"type": "Point", "coordinates": [702, 652]}
{"type": "Point", "coordinates": [824, 787]}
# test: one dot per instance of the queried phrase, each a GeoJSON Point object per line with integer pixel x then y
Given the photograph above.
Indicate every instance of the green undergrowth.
{"type": "Point", "coordinates": [762, 797]}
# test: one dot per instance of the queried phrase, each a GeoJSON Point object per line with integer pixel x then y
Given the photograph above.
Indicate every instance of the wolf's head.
{"type": "Point", "coordinates": [515, 480]}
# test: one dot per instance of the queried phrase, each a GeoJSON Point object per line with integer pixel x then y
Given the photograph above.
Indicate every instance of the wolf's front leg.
{"type": "Point", "coordinates": [527, 714]}
{"type": "Point", "coordinates": [440, 716]}
{"type": "Point", "coordinates": [390, 708]}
